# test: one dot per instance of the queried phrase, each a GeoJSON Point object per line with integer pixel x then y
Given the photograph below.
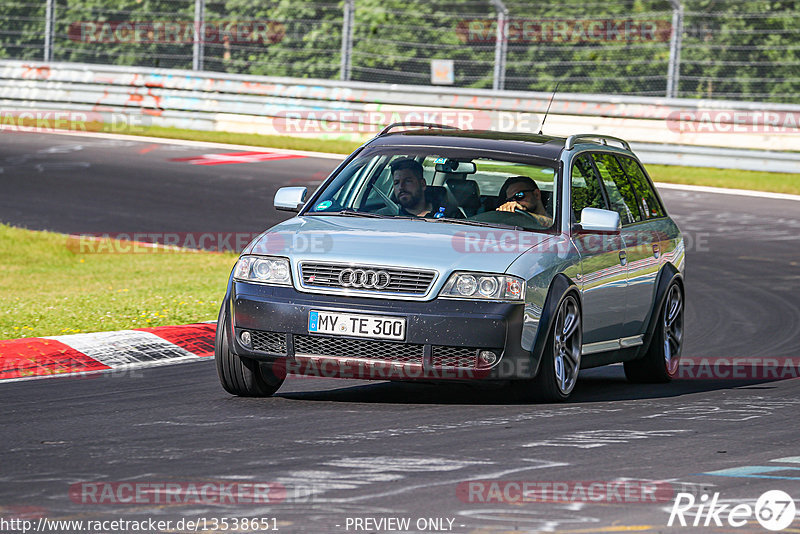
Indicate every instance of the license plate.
{"type": "Point", "coordinates": [353, 324]}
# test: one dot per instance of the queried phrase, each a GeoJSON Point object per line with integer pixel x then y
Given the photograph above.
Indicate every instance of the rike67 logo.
{"type": "Point", "coordinates": [774, 510]}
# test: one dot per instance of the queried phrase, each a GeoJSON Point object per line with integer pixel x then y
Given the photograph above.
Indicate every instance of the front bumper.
{"type": "Point", "coordinates": [443, 336]}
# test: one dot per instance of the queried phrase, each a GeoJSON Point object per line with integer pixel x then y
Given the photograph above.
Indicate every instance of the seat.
{"type": "Point", "coordinates": [439, 195]}
{"type": "Point", "coordinates": [467, 194]}
{"type": "Point", "coordinates": [547, 201]}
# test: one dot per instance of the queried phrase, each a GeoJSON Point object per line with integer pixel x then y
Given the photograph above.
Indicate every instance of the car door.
{"type": "Point", "coordinates": [645, 255]}
{"type": "Point", "coordinates": [603, 273]}
{"type": "Point", "coordinates": [639, 239]}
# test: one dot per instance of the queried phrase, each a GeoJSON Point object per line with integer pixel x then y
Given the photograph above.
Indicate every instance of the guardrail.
{"type": "Point", "coordinates": [349, 110]}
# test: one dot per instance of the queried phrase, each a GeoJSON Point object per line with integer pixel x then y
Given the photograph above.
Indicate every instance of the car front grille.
{"type": "Point", "coordinates": [358, 348]}
{"type": "Point", "coordinates": [410, 282]}
{"type": "Point", "coordinates": [366, 349]}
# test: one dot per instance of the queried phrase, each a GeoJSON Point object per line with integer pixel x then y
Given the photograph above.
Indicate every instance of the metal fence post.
{"type": "Point", "coordinates": [347, 40]}
{"type": "Point", "coordinates": [676, 37]}
{"type": "Point", "coordinates": [500, 46]}
{"type": "Point", "coordinates": [49, 29]}
{"type": "Point", "coordinates": [199, 34]}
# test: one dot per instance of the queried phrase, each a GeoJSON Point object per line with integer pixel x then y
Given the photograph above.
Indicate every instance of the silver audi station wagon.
{"type": "Point", "coordinates": [440, 254]}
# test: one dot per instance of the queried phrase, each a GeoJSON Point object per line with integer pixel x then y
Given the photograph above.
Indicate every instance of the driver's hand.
{"type": "Point", "coordinates": [511, 206]}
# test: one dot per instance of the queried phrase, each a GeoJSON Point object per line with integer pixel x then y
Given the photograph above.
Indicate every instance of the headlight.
{"type": "Point", "coordinates": [265, 270]}
{"type": "Point", "coordinates": [484, 286]}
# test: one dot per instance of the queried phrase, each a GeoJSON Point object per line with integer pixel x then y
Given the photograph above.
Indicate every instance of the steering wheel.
{"type": "Point", "coordinates": [391, 204]}
{"type": "Point", "coordinates": [519, 218]}
{"type": "Point", "coordinates": [535, 217]}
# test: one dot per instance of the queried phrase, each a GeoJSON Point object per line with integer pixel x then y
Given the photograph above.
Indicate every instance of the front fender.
{"type": "Point", "coordinates": [550, 269]}
{"type": "Point", "coordinates": [559, 287]}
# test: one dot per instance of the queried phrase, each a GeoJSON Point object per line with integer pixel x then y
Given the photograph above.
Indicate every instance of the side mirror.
{"type": "Point", "coordinates": [597, 220]}
{"type": "Point", "coordinates": [290, 198]}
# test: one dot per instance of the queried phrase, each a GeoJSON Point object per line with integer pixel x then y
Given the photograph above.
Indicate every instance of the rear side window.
{"type": "Point", "coordinates": [620, 191]}
{"type": "Point", "coordinates": [586, 192]}
{"type": "Point", "coordinates": [648, 201]}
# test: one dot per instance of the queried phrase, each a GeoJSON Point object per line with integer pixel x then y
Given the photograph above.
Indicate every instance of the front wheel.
{"type": "Point", "coordinates": [660, 363]}
{"type": "Point", "coordinates": [241, 376]}
{"type": "Point", "coordinates": [561, 359]}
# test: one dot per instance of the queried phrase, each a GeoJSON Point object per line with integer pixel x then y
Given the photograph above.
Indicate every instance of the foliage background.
{"type": "Point", "coordinates": [732, 49]}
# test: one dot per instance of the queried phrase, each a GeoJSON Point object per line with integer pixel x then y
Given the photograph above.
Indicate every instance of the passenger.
{"type": "Point", "coordinates": [522, 193]}
{"type": "Point", "coordinates": [410, 190]}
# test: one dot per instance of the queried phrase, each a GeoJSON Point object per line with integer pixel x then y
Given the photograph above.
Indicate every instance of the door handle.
{"type": "Point", "coordinates": [656, 251]}
{"type": "Point", "coordinates": [623, 257]}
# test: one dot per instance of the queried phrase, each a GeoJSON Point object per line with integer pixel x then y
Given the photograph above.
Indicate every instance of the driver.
{"type": "Point", "coordinates": [522, 193]}
{"type": "Point", "coordinates": [409, 188]}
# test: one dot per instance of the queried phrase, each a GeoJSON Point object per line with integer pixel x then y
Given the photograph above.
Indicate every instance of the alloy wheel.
{"type": "Point", "coordinates": [673, 328]}
{"type": "Point", "coordinates": [567, 338]}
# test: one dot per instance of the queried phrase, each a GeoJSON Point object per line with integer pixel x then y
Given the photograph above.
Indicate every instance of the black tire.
{"type": "Point", "coordinates": [244, 377]}
{"type": "Point", "coordinates": [662, 359]}
{"type": "Point", "coordinates": [562, 353]}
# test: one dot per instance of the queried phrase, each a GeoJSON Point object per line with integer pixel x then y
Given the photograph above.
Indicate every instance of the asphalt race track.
{"type": "Point", "coordinates": [348, 450]}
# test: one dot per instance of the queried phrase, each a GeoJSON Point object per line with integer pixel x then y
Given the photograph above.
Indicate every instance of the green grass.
{"type": "Point", "coordinates": [732, 179]}
{"type": "Point", "coordinates": [46, 288]}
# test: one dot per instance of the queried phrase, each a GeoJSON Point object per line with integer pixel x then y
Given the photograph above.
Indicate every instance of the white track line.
{"type": "Point", "coordinates": [725, 191]}
{"type": "Point", "coordinates": [186, 142]}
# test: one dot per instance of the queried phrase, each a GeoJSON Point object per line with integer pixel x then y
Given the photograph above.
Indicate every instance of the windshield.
{"type": "Point", "coordinates": [436, 184]}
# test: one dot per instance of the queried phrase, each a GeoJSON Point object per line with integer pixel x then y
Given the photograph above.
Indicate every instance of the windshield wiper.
{"type": "Point", "coordinates": [354, 213]}
{"type": "Point", "coordinates": [349, 212]}
{"type": "Point", "coordinates": [470, 222]}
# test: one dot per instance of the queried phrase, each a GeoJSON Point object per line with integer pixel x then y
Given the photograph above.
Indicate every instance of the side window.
{"type": "Point", "coordinates": [586, 191]}
{"type": "Point", "coordinates": [619, 189]}
{"type": "Point", "coordinates": [648, 200]}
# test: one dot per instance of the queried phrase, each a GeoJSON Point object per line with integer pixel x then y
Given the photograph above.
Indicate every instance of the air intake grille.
{"type": "Point", "coordinates": [358, 348]}
{"type": "Point", "coordinates": [385, 351]}
{"type": "Point", "coordinates": [268, 341]}
{"type": "Point", "coordinates": [454, 356]}
{"type": "Point", "coordinates": [401, 281]}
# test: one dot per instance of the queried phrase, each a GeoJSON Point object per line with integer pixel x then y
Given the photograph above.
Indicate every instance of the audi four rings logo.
{"type": "Point", "coordinates": [364, 279]}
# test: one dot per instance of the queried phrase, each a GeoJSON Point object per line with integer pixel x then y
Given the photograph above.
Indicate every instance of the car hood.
{"type": "Point", "coordinates": [443, 247]}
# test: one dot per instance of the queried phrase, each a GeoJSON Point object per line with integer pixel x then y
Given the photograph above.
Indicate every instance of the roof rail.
{"type": "Point", "coordinates": [423, 124]}
{"type": "Point", "coordinates": [573, 139]}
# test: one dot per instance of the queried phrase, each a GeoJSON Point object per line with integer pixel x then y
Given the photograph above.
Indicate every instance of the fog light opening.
{"type": "Point", "coordinates": [487, 357]}
{"type": "Point", "coordinates": [245, 338]}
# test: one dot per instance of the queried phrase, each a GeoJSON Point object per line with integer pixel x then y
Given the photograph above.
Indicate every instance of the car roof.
{"type": "Point", "coordinates": [543, 146]}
